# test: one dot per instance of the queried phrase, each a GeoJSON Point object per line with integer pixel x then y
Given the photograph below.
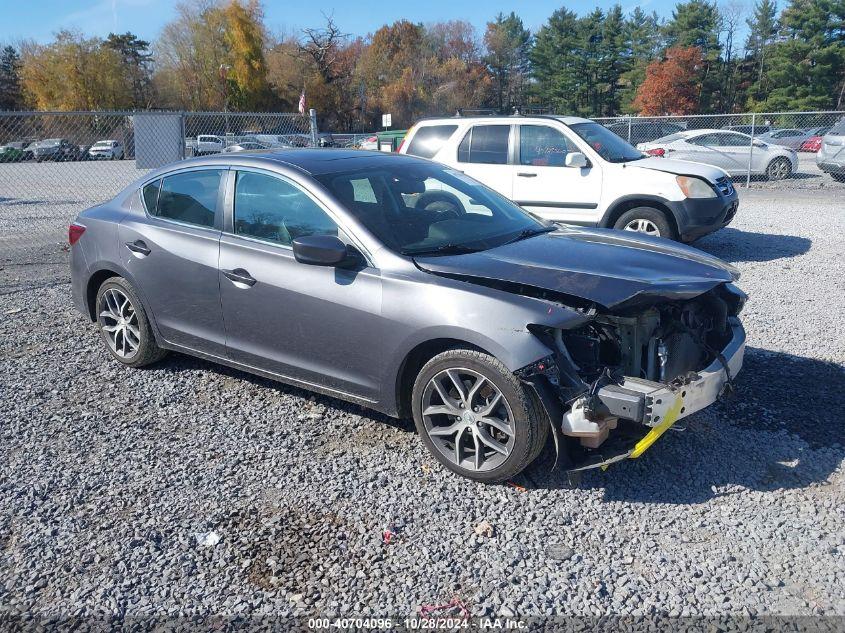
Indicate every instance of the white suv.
{"type": "Point", "coordinates": [573, 170]}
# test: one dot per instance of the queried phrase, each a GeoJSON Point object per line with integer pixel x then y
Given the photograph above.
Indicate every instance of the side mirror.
{"type": "Point", "coordinates": [759, 144]}
{"type": "Point", "coordinates": [320, 250]}
{"type": "Point", "coordinates": [576, 159]}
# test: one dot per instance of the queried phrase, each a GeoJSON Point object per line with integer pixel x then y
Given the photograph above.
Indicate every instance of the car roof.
{"type": "Point", "coordinates": [313, 161]}
{"type": "Point", "coordinates": [504, 118]}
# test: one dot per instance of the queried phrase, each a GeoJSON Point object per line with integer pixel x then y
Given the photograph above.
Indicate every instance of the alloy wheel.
{"type": "Point", "coordinates": [468, 419]}
{"type": "Point", "coordinates": [779, 170]}
{"type": "Point", "coordinates": [119, 321]}
{"type": "Point", "coordinates": [641, 225]}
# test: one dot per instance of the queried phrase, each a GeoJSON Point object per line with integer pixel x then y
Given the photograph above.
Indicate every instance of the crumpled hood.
{"type": "Point", "coordinates": [606, 267]}
{"type": "Point", "coordinates": [680, 167]}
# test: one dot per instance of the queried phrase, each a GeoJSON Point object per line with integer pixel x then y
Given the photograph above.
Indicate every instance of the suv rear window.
{"type": "Point", "coordinates": [429, 139]}
{"type": "Point", "coordinates": [486, 144]}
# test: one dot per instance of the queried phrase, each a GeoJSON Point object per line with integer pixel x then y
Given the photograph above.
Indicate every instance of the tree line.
{"type": "Point", "coordinates": [218, 55]}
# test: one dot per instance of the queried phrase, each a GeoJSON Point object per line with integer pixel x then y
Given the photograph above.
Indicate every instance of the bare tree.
{"type": "Point", "coordinates": [323, 45]}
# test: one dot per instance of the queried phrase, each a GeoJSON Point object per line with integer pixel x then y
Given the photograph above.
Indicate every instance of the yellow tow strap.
{"type": "Point", "coordinates": [653, 435]}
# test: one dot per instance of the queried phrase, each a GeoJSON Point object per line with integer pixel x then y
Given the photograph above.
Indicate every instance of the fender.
{"type": "Point", "coordinates": [606, 223]}
{"type": "Point", "coordinates": [117, 267]}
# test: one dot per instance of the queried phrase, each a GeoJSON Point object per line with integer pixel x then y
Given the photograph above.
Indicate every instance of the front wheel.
{"type": "Point", "coordinates": [779, 169]}
{"type": "Point", "coordinates": [476, 417]}
{"type": "Point", "coordinates": [646, 220]}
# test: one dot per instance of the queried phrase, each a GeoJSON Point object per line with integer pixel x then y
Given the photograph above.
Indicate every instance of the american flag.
{"type": "Point", "coordinates": [302, 103]}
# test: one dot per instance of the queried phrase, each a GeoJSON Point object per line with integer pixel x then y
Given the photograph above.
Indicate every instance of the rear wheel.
{"type": "Point", "coordinates": [779, 169]}
{"type": "Point", "coordinates": [646, 220]}
{"type": "Point", "coordinates": [476, 417]}
{"type": "Point", "coordinates": [124, 326]}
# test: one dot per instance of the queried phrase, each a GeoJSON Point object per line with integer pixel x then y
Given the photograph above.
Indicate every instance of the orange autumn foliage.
{"type": "Point", "coordinates": [672, 85]}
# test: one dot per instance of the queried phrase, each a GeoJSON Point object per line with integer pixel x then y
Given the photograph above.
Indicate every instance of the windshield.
{"type": "Point", "coordinates": [669, 138]}
{"type": "Point", "coordinates": [420, 209]}
{"type": "Point", "coordinates": [609, 146]}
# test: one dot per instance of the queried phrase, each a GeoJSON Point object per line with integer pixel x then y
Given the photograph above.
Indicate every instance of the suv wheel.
{"type": "Point", "coordinates": [123, 325]}
{"type": "Point", "coordinates": [779, 169]}
{"type": "Point", "coordinates": [476, 417]}
{"type": "Point", "coordinates": [646, 220]}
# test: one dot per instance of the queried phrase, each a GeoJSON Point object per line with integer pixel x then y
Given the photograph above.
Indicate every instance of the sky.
{"type": "Point", "coordinates": [40, 19]}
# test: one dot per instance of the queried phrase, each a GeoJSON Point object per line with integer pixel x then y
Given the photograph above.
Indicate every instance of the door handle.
{"type": "Point", "coordinates": [526, 174]}
{"type": "Point", "coordinates": [138, 246]}
{"type": "Point", "coordinates": [239, 276]}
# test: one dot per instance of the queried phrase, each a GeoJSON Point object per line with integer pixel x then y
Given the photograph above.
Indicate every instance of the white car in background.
{"type": "Point", "coordinates": [728, 150]}
{"type": "Point", "coordinates": [574, 171]}
{"type": "Point", "coordinates": [108, 150]}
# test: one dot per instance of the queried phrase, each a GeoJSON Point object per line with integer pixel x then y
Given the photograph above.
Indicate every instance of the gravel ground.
{"type": "Point", "coordinates": [189, 488]}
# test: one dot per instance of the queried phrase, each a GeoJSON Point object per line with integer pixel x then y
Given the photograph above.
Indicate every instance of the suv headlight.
{"type": "Point", "coordinates": [695, 187]}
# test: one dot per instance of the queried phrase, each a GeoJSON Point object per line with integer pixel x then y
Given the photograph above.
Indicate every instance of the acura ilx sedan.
{"type": "Point", "coordinates": [408, 287]}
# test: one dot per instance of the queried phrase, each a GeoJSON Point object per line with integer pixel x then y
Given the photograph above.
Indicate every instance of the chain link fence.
{"type": "Point", "coordinates": [55, 164]}
{"type": "Point", "coordinates": [789, 150]}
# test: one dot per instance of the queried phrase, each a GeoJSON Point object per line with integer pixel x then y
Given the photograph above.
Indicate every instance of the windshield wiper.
{"type": "Point", "coordinates": [444, 249]}
{"type": "Point", "coordinates": [526, 233]}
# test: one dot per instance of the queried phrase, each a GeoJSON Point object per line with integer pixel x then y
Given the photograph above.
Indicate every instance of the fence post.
{"type": "Point", "coordinates": [629, 128]}
{"type": "Point", "coordinates": [184, 133]}
{"type": "Point", "coordinates": [312, 114]}
{"type": "Point", "coordinates": [750, 151]}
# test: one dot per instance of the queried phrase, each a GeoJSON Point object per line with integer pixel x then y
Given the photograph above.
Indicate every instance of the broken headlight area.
{"type": "Point", "coordinates": [627, 376]}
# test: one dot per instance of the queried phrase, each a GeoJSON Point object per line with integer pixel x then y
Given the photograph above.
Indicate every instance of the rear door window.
{"type": "Point", "coordinates": [429, 139]}
{"type": "Point", "coordinates": [189, 197]}
{"type": "Point", "coordinates": [485, 144]}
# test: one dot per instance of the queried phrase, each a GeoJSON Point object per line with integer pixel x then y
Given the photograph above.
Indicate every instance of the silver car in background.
{"type": "Point", "coordinates": [729, 150]}
{"type": "Point", "coordinates": [831, 155]}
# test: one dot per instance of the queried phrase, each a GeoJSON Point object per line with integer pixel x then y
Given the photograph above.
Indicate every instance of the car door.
{"type": "Point", "coordinates": [543, 184]}
{"type": "Point", "coordinates": [736, 148]}
{"type": "Point", "coordinates": [483, 154]}
{"type": "Point", "coordinates": [171, 253]}
{"type": "Point", "coordinates": [315, 324]}
{"type": "Point", "coordinates": [704, 148]}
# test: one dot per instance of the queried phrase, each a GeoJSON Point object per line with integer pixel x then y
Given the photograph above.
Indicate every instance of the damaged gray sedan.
{"type": "Point", "coordinates": [408, 287]}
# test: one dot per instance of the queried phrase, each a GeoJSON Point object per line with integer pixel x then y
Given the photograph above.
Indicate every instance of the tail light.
{"type": "Point", "coordinates": [657, 151]}
{"type": "Point", "coordinates": [74, 232]}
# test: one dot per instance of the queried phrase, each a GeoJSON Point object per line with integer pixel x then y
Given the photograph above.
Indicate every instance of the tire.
{"type": "Point", "coordinates": [838, 176]}
{"type": "Point", "coordinates": [109, 300]}
{"type": "Point", "coordinates": [779, 169]}
{"type": "Point", "coordinates": [516, 408]}
{"type": "Point", "coordinates": [652, 222]}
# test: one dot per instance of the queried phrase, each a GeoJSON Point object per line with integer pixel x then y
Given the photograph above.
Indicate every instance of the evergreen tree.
{"type": "Point", "coordinates": [806, 66]}
{"type": "Point", "coordinates": [642, 33]}
{"type": "Point", "coordinates": [557, 63]}
{"type": "Point", "coordinates": [507, 42]}
{"type": "Point", "coordinates": [763, 27]}
{"type": "Point", "coordinates": [697, 23]}
{"type": "Point", "coordinates": [11, 97]}
{"type": "Point", "coordinates": [136, 61]}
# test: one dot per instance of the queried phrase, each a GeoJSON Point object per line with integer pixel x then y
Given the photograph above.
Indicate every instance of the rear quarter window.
{"type": "Point", "coordinates": [428, 140]}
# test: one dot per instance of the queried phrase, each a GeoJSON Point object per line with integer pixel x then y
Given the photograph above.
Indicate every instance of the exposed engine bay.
{"type": "Point", "coordinates": [646, 364]}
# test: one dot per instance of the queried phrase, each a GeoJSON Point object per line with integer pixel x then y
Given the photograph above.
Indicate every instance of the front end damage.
{"type": "Point", "coordinates": [616, 383]}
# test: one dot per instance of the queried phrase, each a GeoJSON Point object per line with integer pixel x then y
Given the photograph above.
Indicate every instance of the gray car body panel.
{"type": "Point", "coordinates": [349, 332]}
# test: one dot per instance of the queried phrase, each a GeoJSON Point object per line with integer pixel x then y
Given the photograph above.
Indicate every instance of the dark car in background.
{"type": "Point", "coordinates": [340, 271]}
{"type": "Point", "coordinates": [15, 152]}
{"type": "Point", "coordinates": [57, 149]}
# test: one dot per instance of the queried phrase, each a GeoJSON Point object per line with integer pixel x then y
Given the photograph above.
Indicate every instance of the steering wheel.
{"type": "Point", "coordinates": [444, 204]}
